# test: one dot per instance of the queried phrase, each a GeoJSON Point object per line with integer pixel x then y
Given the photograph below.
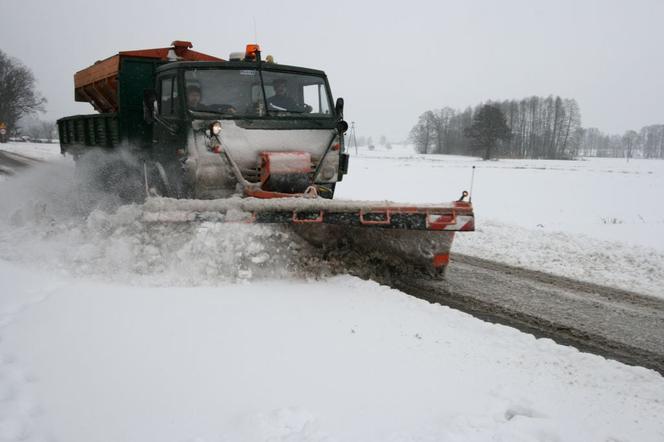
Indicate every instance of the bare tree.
{"type": "Point", "coordinates": [570, 135]}
{"type": "Point", "coordinates": [629, 141]}
{"type": "Point", "coordinates": [18, 96]}
{"type": "Point", "coordinates": [442, 120]}
{"type": "Point", "coordinates": [652, 138]}
{"type": "Point", "coordinates": [421, 135]}
{"type": "Point", "coordinates": [488, 127]}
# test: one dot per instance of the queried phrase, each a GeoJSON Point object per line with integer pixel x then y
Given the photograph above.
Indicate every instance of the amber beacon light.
{"type": "Point", "coordinates": [251, 51]}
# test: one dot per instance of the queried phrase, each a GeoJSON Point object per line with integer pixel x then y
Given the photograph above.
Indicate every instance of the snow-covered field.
{"type": "Point", "coordinates": [599, 220]}
{"type": "Point", "coordinates": [113, 330]}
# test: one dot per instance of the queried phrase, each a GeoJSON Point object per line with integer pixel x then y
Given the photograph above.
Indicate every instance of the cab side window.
{"type": "Point", "coordinates": [168, 103]}
{"type": "Point", "coordinates": [315, 96]}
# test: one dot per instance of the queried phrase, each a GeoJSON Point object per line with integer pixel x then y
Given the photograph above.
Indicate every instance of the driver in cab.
{"type": "Point", "coordinates": [280, 101]}
{"type": "Point", "coordinates": [193, 96]}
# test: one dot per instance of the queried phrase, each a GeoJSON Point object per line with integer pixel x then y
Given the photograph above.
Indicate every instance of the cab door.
{"type": "Point", "coordinates": [169, 129]}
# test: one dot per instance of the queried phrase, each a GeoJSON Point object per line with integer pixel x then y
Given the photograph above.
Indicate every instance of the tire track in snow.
{"type": "Point", "coordinates": [10, 162]}
{"type": "Point", "coordinates": [614, 323]}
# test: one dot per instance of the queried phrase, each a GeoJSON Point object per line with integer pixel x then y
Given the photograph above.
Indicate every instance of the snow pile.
{"type": "Point", "coordinates": [46, 223]}
{"type": "Point", "coordinates": [120, 246]}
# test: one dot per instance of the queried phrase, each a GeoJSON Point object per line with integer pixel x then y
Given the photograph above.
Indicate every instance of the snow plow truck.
{"type": "Point", "coordinates": [244, 140]}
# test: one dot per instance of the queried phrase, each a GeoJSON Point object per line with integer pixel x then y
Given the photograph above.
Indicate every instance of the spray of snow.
{"type": "Point", "coordinates": [49, 223]}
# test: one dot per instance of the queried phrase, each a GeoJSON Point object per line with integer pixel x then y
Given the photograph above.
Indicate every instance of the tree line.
{"type": "Point", "coordinates": [646, 143]}
{"type": "Point", "coordinates": [537, 128]}
{"type": "Point", "coordinates": [36, 128]}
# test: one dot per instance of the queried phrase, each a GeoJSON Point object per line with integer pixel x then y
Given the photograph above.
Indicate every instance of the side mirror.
{"type": "Point", "coordinates": [339, 108]}
{"type": "Point", "coordinates": [342, 126]}
{"type": "Point", "coordinates": [149, 100]}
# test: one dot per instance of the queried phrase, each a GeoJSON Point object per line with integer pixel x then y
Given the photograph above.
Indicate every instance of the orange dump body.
{"type": "Point", "coordinates": [98, 84]}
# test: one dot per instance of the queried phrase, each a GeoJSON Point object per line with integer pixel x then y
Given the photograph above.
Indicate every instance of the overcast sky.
{"type": "Point", "coordinates": [390, 61]}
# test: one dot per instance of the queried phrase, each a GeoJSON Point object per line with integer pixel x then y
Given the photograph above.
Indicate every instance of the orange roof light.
{"type": "Point", "coordinates": [251, 51]}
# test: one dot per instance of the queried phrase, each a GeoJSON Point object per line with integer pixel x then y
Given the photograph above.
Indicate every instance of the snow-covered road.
{"type": "Point", "coordinates": [337, 359]}
{"type": "Point", "coordinates": [114, 331]}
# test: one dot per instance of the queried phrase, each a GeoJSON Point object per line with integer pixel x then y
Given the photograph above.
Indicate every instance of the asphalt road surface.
{"type": "Point", "coordinates": [10, 163]}
{"type": "Point", "coordinates": [613, 323]}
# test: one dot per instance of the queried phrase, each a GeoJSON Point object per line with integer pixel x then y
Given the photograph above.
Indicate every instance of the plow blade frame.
{"type": "Point", "coordinates": [421, 235]}
{"type": "Point", "coordinates": [455, 216]}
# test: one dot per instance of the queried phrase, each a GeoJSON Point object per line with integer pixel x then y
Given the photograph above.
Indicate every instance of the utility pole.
{"type": "Point", "coordinates": [351, 138]}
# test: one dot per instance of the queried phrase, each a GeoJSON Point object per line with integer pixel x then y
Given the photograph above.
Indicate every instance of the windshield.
{"type": "Point", "coordinates": [238, 93]}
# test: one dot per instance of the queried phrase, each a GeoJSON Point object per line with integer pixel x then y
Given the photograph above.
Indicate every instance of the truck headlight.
{"type": "Point", "coordinates": [328, 172]}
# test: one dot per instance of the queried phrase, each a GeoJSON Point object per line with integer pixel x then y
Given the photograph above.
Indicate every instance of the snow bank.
{"type": "Point", "coordinates": [639, 269]}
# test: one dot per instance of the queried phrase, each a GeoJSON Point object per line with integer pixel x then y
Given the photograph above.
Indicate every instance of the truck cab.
{"type": "Point", "coordinates": [209, 128]}
{"type": "Point", "coordinates": [276, 123]}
